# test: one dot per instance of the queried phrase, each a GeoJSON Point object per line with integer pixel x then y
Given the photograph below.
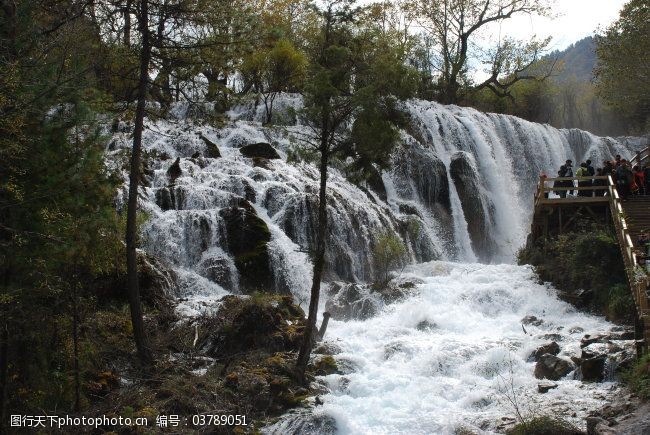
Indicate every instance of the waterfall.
{"type": "Point", "coordinates": [460, 188]}
{"type": "Point", "coordinates": [459, 193]}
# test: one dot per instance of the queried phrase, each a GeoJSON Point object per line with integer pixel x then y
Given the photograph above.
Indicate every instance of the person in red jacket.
{"type": "Point", "coordinates": [639, 179]}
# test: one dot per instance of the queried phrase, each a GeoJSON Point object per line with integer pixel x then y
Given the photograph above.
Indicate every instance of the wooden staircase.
{"type": "Point", "coordinates": [630, 219]}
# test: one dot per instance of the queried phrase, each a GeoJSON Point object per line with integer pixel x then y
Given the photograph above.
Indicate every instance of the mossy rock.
{"type": "Point", "coordinates": [325, 365]}
{"type": "Point", "coordinates": [247, 237]}
{"type": "Point", "coordinates": [545, 425]}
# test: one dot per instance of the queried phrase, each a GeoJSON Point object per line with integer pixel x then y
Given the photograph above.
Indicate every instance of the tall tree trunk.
{"type": "Point", "coordinates": [319, 260]}
{"type": "Point", "coordinates": [75, 341]}
{"type": "Point", "coordinates": [4, 367]}
{"type": "Point", "coordinates": [127, 23]}
{"type": "Point", "coordinates": [141, 342]}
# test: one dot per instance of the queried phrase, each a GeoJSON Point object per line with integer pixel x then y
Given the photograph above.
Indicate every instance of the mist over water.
{"type": "Point", "coordinates": [459, 194]}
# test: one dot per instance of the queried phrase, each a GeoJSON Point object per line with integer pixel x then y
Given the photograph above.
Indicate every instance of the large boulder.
{"type": "Point", "coordinates": [269, 323]}
{"type": "Point", "coordinates": [259, 150]}
{"type": "Point", "coordinates": [478, 208]}
{"type": "Point", "coordinates": [551, 348]}
{"type": "Point", "coordinates": [211, 148]}
{"type": "Point", "coordinates": [593, 369]}
{"type": "Point", "coordinates": [351, 301]}
{"type": "Point", "coordinates": [170, 198]}
{"type": "Point", "coordinates": [174, 171]}
{"type": "Point", "coordinates": [247, 237]}
{"type": "Point", "coordinates": [551, 367]}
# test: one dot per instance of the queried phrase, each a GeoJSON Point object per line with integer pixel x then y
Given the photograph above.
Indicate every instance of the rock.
{"type": "Point", "coordinates": [247, 237]}
{"type": "Point", "coordinates": [593, 369]}
{"type": "Point", "coordinates": [376, 183]}
{"type": "Point", "coordinates": [478, 208]}
{"type": "Point", "coordinates": [552, 337]}
{"type": "Point", "coordinates": [425, 325]}
{"type": "Point", "coordinates": [551, 367]}
{"type": "Point", "coordinates": [271, 323]}
{"type": "Point", "coordinates": [593, 423]}
{"type": "Point", "coordinates": [218, 269]}
{"type": "Point", "coordinates": [576, 330]}
{"type": "Point", "coordinates": [551, 348]}
{"type": "Point", "coordinates": [590, 339]}
{"type": "Point", "coordinates": [324, 366]}
{"type": "Point", "coordinates": [327, 348]}
{"type": "Point", "coordinates": [212, 150]}
{"type": "Point", "coordinates": [351, 301]}
{"type": "Point", "coordinates": [261, 149]}
{"type": "Point", "coordinates": [531, 320]}
{"type": "Point", "coordinates": [170, 198]}
{"type": "Point", "coordinates": [545, 387]}
{"type": "Point", "coordinates": [174, 171]}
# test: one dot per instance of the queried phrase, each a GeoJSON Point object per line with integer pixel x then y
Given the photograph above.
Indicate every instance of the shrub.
{"type": "Point", "coordinates": [638, 378]}
{"type": "Point", "coordinates": [389, 253]}
{"type": "Point", "coordinates": [544, 425]}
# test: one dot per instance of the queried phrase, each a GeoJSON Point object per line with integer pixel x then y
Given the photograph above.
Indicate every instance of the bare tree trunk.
{"type": "Point", "coordinates": [127, 23]}
{"type": "Point", "coordinates": [4, 366]}
{"type": "Point", "coordinates": [141, 342]}
{"type": "Point", "coordinates": [75, 343]}
{"type": "Point", "coordinates": [319, 261]}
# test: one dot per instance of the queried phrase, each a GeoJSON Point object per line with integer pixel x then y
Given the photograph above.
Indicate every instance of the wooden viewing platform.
{"type": "Point", "coordinates": [630, 218]}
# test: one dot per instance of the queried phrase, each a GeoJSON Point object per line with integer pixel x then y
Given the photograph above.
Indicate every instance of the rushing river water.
{"type": "Point", "coordinates": [459, 194]}
{"type": "Point", "coordinates": [454, 356]}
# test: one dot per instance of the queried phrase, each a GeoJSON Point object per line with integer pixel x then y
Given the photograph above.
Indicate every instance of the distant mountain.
{"type": "Point", "coordinates": [578, 61]}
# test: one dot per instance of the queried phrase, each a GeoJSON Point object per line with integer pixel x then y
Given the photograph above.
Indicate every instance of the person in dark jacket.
{"type": "Point", "coordinates": [558, 183]}
{"type": "Point", "coordinates": [624, 178]}
{"type": "Point", "coordinates": [569, 173]}
{"type": "Point", "coordinates": [599, 183]}
{"type": "Point", "coordinates": [590, 168]}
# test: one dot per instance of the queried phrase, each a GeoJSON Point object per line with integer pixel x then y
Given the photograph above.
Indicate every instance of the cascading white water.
{"type": "Point", "coordinates": [460, 189]}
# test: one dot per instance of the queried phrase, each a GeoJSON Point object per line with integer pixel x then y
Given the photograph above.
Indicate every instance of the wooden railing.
{"type": "Point", "coordinates": [641, 158]}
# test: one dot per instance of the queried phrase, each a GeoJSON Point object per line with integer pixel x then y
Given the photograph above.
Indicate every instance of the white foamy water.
{"type": "Point", "coordinates": [460, 372]}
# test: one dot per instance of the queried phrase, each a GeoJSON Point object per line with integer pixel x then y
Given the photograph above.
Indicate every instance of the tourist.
{"type": "Point", "coordinates": [624, 179]}
{"type": "Point", "coordinates": [561, 173]}
{"type": "Point", "coordinates": [590, 168]}
{"type": "Point", "coordinates": [583, 171]}
{"type": "Point", "coordinates": [639, 180]}
{"type": "Point", "coordinates": [568, 173]}
{"type": "Point", "coordinates": [600, 182]}
{"type": "Point", "coordinates": [617, 161]}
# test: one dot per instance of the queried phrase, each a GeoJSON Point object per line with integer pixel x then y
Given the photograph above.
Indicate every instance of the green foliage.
{"type": "Point", "coordinates": [638, 378]}
{"type": "Point", "coordinates": [277, 69]}
{"type": "Point", "coordinates": [544, 425]}
{"type": "Point", "coordinates": [589, 260]}
{"type": "Point", "coordinates": [624, 55]}
{"type": "Point", "coordinates": [389, 253]}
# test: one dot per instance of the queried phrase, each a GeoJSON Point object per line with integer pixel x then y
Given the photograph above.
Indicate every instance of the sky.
{"type": "Point", "coordinates": [572, 20]}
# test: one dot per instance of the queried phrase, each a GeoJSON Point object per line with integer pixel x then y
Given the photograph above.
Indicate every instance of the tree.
{"type": "Point", "coordinates": [277, 69]}
{"type": "Point", "coordinates": [348, 99]}
{"type": "Point", "coordinates": [452, 26]}
{"type": "Point", "coordinates": [388, 254]}
{"type": "Point", "coordinates": [623, 64]}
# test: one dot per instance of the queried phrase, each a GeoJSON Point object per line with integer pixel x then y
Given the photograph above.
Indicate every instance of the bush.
{"type": "Point", "coordinates": [588, 259]}
{"type": "Point", "coordinates": [638, 378]}
{"type": "Point", "coordinates": [389, 253]}
{"type": "Point", "coordinates": [544, 425]}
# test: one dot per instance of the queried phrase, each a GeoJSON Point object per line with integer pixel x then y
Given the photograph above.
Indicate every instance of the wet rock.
{"type": "Point", "coordinates": [425, 325]}
{"type": "Point", "coordinates": [212, 150]}
{"type": "Point", "coordinates": [595, 425]}
{"type": "Point", "coordinates": [551, 348]}
{"type": "Point", "coordinates": [551, 367]}
{"type": "Point", "coordinates": [327, 348]}
{"type": "Point", "coordinates": [593, 369]}
{"type": "Point", "coordinates": [247, 237]}
{"type": "Point", "coordinates": [478, 208]}
{"type": "Point", "coordinates": [531, 320]}
{"type": "Point", "coordinates": [218, 269]}
{"type": "Point", "coordinates": [351, 301]}
{"type": "Point", "coordinates": [174, 171]}
{"type": "Point", "coordinates": [324, 366]}
{"type": "Point", "coordinates": [376, 183]}
{"type": "Point", "coordinates": [170, 198]}
{"type": "Point", "coordinates": [545, 387]}
{"type": "Point", "coordinates": [261, 149]}
{"type": "Point", "coordinates": [553, 337]}
{"type": "Point", "coordinates": [408, 209]}
{"type": "Point", "coordinates": [576, 330]}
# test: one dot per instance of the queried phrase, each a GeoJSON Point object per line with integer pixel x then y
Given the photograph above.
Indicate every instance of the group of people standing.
{"type": "Point", "coordinates": [628, 180]}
